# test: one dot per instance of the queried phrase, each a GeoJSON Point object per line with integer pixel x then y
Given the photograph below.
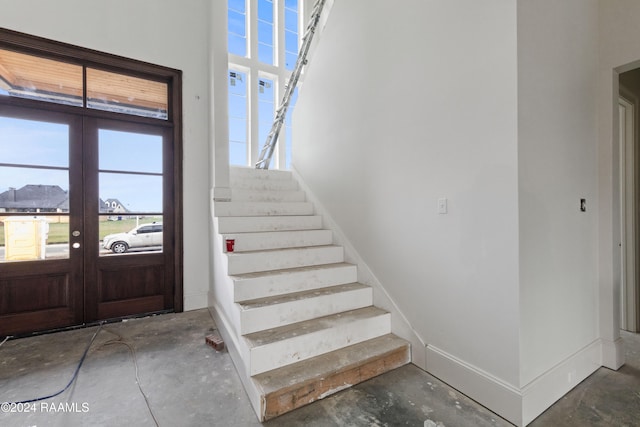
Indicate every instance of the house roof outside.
{"type": "Point", "coordinates": [49, 197]}
{"type": "Point", "coordinates": [35, 197]}
{"type": "Point", "coordinates": [113, 205]}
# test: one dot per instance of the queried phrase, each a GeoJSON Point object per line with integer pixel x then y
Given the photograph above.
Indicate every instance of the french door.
{"type": "Point", "coordinates": [68, 184]}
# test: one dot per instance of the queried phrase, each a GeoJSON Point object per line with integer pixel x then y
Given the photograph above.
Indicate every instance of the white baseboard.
{"type": "Point", "coordinates": [220, 293]}
{"type": "Point", "coordinates": [400, 326]}
{"type": "Point", "coordinates": [545, 390]}
{"type": "Point", "coordinates": [613, 354]}
{"type": "Point", "coordinates": [233, 347]}
{"type": "Point", "coordinates": [486, 389]}
{"type": "Point", "coordinates": [519, 406]}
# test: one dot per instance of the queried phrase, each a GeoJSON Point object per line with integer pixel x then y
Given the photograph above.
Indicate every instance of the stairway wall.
{"type": "Point", "coordinates": [400, 325]}
{"type": "Point", "coordinates": [423, 112]}
{"type": "Point", "coordinates": [430, 112]}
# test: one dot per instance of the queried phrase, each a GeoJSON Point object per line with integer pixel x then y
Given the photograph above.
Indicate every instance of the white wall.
{"type": "Point", "coordinates": [164, 32]}
{"type": "Point", "coordinates": [404, 104]}
{"type": "Point", "coordinates": [557, 152]}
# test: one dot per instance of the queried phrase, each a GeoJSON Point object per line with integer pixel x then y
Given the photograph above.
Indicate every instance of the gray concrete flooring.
{"type": "Point", "coordinates": [188, 383]}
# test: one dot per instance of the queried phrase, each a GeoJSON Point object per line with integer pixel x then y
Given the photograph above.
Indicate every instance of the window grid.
{"type": "Point", "coordinates": [270, 41]}
{"type": "Point", "coordinates": [237, 27]}
{"type": "Point", "coordinates": [266, 103]}
{"type": "Point", "coordinates": [238, 154]}
{"type": "Point", "coordinates": [265, 31]}
{"type": "Point", "coordinates": [291, 33]}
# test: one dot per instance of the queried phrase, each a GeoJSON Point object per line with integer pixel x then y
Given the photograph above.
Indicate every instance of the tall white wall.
{"type": "Point", "coordinates": [164, 32]}
{"type": "Point", "coordinates": [403, 104]}
{"type": "Point", "coordinates": [557, 154]}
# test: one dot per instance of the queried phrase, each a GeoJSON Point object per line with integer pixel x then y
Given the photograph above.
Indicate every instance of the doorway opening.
{"type": "Point", "coordinates": [90, 186]}
{"type": "Point", "coordinates": [628, 120]}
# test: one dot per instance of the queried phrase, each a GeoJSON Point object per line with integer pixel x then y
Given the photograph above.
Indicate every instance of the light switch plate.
{"type": "Point", "coordinates": [442, 205]}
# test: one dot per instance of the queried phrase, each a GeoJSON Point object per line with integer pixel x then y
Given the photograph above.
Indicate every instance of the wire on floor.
{"type": "Point", "coordinates": [132, 352]}
{"type": "Point", "coordinates": [75, 374]}
{"type": "Point", "coordinates": [5, 340]}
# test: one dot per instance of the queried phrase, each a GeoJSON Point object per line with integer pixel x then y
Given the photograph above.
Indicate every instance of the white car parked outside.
{"type": "Point", "coordinates": [141, 236]}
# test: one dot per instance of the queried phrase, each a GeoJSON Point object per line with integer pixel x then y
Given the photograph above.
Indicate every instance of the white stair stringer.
{"type": "Point", "coordinates": [286, 300]}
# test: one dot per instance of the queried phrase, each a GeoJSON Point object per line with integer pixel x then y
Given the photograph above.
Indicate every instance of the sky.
{"type": "Point", "coordinates": [35, 143]}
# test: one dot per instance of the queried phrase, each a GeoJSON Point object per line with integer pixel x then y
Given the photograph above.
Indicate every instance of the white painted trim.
{"type": "Point", "coordinates": [488, 390]}
{"type": "Point", "coordinates": [222, 287]}
{"type": "Point", "coordinates": [549, 387]}
{"type": "Point", "coordinates": [519, 406]}
{"type": "Point", "coordinates": [613, 354]}
{"type": "Point", "coordinates": [609, 252]}
{"type": "Point", "coordinates": [400, 325]}
{"type": "Point", "coordinates": [627, 103]}
{"type": "Point", "coordinates": [219, 111]}
{"type": "Point", "coordinates": [232, 346]}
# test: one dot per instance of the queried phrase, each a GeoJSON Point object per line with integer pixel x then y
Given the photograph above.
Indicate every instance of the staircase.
{"type": "Point", "coordinates": [298, 324]}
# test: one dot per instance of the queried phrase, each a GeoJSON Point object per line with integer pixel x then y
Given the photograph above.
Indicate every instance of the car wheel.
{"type": "Point", "coordinates": [119, 247]}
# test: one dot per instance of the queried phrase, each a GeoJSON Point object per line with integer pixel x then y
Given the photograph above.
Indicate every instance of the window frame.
{"type": "Point", "coordinates": [257, 70]}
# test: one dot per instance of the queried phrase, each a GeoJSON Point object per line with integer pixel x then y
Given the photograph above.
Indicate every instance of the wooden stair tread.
{"type": "Point", "coordinates": [293, 386]}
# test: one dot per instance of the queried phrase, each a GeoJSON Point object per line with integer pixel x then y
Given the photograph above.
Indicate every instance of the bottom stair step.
{"type": "Point", "coordinates": [290, 387]}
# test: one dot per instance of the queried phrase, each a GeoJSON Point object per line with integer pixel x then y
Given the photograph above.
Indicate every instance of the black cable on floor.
{"type": "Point", "coordinates": [119, 340]}
{"type": "Point", "coordinates": [5, 340]}
{"type": "Point", "coordinates": [75, 374]}
{"type": "Point", "coordinates": [132, 352]}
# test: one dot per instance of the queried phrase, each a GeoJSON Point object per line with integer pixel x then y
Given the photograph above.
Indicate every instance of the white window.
{"type": "Point", "coordinates": [264, 38]}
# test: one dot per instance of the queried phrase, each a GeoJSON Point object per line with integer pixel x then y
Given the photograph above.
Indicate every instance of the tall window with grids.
{"type": "Point", "coordinates": [263, 42]}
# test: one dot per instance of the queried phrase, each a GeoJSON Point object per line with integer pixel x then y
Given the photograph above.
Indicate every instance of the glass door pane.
{"type": "Point", "coordinates": [130, 192]}
{"type": "Point", "coordinates": [34, 190]}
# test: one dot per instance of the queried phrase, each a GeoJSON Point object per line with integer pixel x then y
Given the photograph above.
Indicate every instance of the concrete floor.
{"type": "Point", "coordinates": [188, 383]}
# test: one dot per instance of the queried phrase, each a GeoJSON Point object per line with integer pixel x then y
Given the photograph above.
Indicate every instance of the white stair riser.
{"type": "Point", "coordinates": [286, 281]}
{"type": "Point", "coordinates": [252, 262]}
{"type": "Point", "coordinates": [272, 316]}
{"type": "Point", "coordinates": [239, 194]}
{"type": "Point", "coordinates": [285, 352]}
{"type": "Point", "coordinates": [262, 208]}
{"type": "Point", "coordinates": [275, 223]}
{"type": "Point", "coordinates": [279, 240]}
{"type": "Point", "coordinates": [236, 173]}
